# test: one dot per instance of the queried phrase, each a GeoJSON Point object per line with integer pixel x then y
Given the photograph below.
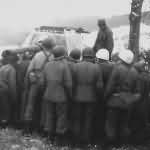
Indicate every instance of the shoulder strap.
{"type": "Point", "coordinates": [46, 59]}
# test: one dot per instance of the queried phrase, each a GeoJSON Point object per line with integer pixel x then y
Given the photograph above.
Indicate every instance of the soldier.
{"type": "Point", "coordinates": [58, 91]}
{"type": "Point", "coordinates": [88, 82]}
{"type": "Point", "coordinates": [104, 38]}
{"type": "Point", "coordinates": [121, 94]}
{"type": "Point", "coordinates": [143, 67]}
{"type": "Point", "coordinates": [8, 93]}
{"type": "Point", "coordinates": [105, 66]}
{"type": "Point", "coordinates": [72, 59]}
{"type": "Point", "coordinates": [22, 67]}
{"type": "Point", "coordinates": [34, 92]}
{"type": "Point", "coordinates": [75, 55]}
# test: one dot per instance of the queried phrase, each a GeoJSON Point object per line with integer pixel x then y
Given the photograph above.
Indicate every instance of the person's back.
{"type": "Point", "coordinates": [106, 68]}
{"type": "Point", "coordinates": [58, 91]}
{"type": "Point", "coordinates": [58, 78]}
{"type": "Point", "coordinates": [33, 93]}
{"type": "Point", "coordinates": [86, 80]}
{"type": "Point", "coordinates": [123, 78]}
{"type": "Point", "coordinates": [87, 85]}
{"type": "Point", "coordinates": [7, 76]}
{"type": "Point", "coordinates": [8, 91]}
{"type": "Point", "coordinates": [120, 95]}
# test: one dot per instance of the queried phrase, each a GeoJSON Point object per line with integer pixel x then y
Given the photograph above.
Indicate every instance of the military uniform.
{"type": "Point", "coordinates": [121, 86]}
{"type": "Point", "coordinates": [34, 91]}
{"type": "Point", "coordinates": [58, 90]}
{"type": "Point", "coordinates": [142, 108]}
{"type": "Point", "coordinates": [88, 83]}
{"type": "Point", "coordinates": [8, 93]}
{"type": "Point", "coordinates": [106, 68]}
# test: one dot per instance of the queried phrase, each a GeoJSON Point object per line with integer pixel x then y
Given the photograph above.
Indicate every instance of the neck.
{"type": "Point", "coordinates": [59, 58]}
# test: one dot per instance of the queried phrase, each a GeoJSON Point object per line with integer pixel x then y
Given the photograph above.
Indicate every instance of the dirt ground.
{"type": "Point", "coordinates": [11, 139]}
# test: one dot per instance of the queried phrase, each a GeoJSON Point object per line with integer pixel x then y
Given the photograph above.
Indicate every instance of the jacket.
{"type": "Point", "coordinates": [38, 61]}
{"type": "Point", "coordinates": [8, 81]}
{"type": "Point", "coordinates": [106, 68]}
{"type": "Point", "coordinates": [123, 79]}
{"type": "Point", "coordinates": [144, 73]}
{"type": "Point", "coordinates": [88, 81]}
{"type": "Point", "coordinates": [58, 81]}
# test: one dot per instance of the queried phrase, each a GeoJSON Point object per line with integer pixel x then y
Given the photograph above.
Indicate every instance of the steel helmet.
{"type": "Point", "coordinates": [88, 52]}
{"type": "Point", "coordinates": [10, 56]}
{"type": "Point", "coordinates": [102, 54]}
{"type": "Point", "coordinates": [48, 43]}
{"type": "Point", "coordinates": [59, 51]}
{"type": "Point", "coordinates": [75, 54]}
{"type": "Point", "coordinates": [127, 56]}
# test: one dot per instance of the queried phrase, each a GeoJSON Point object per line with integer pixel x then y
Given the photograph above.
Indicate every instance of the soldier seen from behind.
{"type": "Point", "coordinates": [8, 89]}
{"type": "Point", "coordinates": [87, 83]}
{"type": "Point", "coordinates": [34, 95]}
{"type": "Point", "coordinates": [105, 66]}
{"type": "Point", "coordinates": [72, 59]}
{"type": "Point", "coordinates": [58, 91]}
{"type": "Point", "coordinates": [143, 68]}
{"type": "Point", "coordinates": [121, 95]}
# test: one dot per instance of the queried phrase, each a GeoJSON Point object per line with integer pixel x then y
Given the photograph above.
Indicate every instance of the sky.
{"type": "Point", "coordinates": [31, 13]}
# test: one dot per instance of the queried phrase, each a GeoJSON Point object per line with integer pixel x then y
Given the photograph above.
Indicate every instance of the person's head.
{"type": "Point", "coordinates": [146, 56]}
{"type": "Point", "coordinates": [75, 54]}
{"type": "Point", "coordinates": [10, 57]}
{"type": "Point", "coordinates": [27, 55]}
{"type": "Point", "coordinates": [126, 56]}
{"type": "Point", "coordinates": [102, 54]}
{"type": "Point", "coordinates": [48, 43]}
{"type": "Point", "coordinates": [88, 53]}
{"type": "Point", "coordinates": [59, 51]}
{"type": "Point", "coordinates": [6, 53]}
{"type": "Point", "coordinates": [102, 24]}
{"type": "Point", "coordinates": [114, 57]}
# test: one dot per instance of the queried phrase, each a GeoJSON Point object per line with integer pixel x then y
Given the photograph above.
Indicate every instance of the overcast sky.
{"type": "Point", "coordinates": [29, 13]}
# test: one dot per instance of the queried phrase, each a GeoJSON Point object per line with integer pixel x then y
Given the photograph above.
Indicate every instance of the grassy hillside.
{"type": "Point", "coordinates": [90, 23]}
{"type": "Point", "coordinates": [11, 37]}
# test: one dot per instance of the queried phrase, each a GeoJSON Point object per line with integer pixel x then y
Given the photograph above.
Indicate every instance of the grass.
{"type": "Point", "coordinates": [11, 139]}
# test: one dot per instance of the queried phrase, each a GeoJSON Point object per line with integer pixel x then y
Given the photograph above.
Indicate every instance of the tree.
{"type": "Point", "coordinates": [135, 19]}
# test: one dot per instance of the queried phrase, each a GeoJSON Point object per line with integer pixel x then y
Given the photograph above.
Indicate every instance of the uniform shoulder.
{"type": "Point", "coordinates": [134, 70]}
{"type": "Point", "coordinates": [109, 31]}
{"type": "Point", "coordinates": [8, 68]}
{"type": "Point", "coordinates": [119, 68]}
{"type": "Point", "coordinates": [39, 54]}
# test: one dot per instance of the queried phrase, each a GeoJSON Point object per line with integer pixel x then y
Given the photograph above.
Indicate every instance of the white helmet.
{"type": "Point", "coordinates": [102, 54]}
{"type": "Point", "coordinates": [127, 56]}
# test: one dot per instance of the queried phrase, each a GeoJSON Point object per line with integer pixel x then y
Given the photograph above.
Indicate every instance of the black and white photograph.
{"type": "Point", "coordinates": [74, 74]}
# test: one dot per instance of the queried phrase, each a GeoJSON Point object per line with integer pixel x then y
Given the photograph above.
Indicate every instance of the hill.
{"type": "Point", "coordinates": [90, 23]}
{"type": "Point", "coordinates": [11, 37]}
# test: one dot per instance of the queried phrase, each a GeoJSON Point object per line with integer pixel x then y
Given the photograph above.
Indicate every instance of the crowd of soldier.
{"type": "Point", "coordinates": [82, 97]}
